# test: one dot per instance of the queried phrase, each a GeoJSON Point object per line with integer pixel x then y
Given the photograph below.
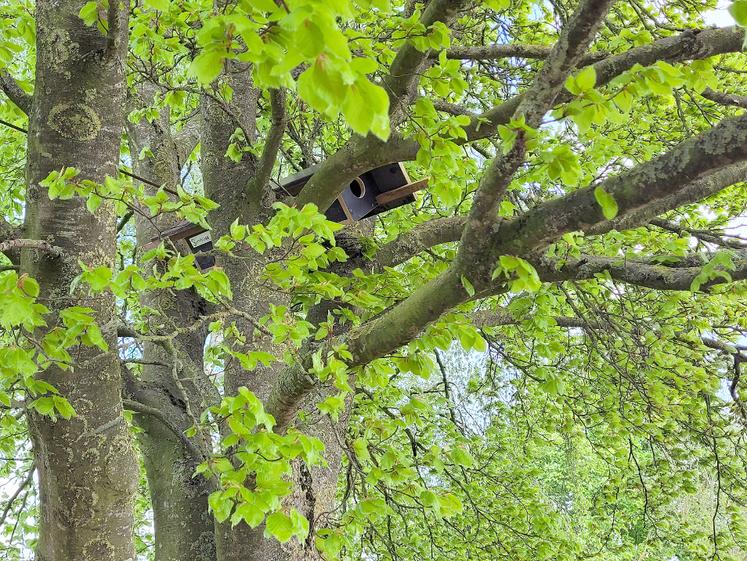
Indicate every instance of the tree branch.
{"type": "Point", "coordinates": [39, 245]}
{"type": "Point", "coordinates": [117, 21]}
{"type": "Point", "coordinates": [725, 98]}
{"type": "Point", "coordinates": [25, 483]}
{"type": "Point", "coordinates": [15, 93]}
{"type": "Point", "coordinates": [138, 407]}
{"type": "Point", "coordinates": [703, 235]}
{"type": "Point", "coordinates": [497, 52]}
{"type": "Point", "coordinates": [272, 144]}
{"type": "Point", "coordinates": [420, 238]}
{"type": "Point", "coordinates": [639, 273]}
{"type": "Point", "coordinates": [684, 168]}
{"type": "Point", "coordinates": [446, 230]}
{"type": "Point", "coordinates": [409, 62]}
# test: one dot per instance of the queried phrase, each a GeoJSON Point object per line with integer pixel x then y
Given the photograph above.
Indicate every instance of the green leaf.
{"type": "Point", "coordinates": [279, 526]}
{"type": "Point", "coordinates": [207, 66]}
{"type": "Point", "coordinates": [586, 79]}
{"type": "Point", "coordinates": [462, 457]}
{"type": "Point", "coordinates": [89, 13]}
{"type": "Point", "coordinates": [161, 5]}
{"type": "Point", "coordinates": [738, 11]}
{"type": "Point", "coordinates": [467, 286]}
{"type": "Point", "coordinates": [63, 406]}
{"type": "Point", "coordinates": [607, 202]}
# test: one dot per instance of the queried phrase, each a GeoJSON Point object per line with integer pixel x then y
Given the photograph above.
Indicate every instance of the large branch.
{"type": "Point", "coordinates": [639, 273]}
{"type": "Point", "coordinates": [279, 120]}
{"type": "Point", "coordinates": [497, 52]}
{"type": "Point", "coordinates": [14, 92]}
{"type": "Point", "coordinates": [684, 168]}
{"type": "Point", "coordinates": [574, 40]}
{"type": "Point", "coordinates": [448, 230]}
{"type": "Point", "coordinates": [406, 320]}
{"type": "Point", "coordinates": [409, 63]}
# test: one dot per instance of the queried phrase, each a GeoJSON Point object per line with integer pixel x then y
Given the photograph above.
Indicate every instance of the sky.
{"type": "Point", "coordinates": [720, 16]}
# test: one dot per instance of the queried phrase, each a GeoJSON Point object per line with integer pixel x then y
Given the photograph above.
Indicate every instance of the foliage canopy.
{"type": "Point", "coordinates": [539, 358]}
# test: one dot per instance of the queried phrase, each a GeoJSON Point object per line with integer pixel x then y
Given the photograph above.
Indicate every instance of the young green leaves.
{"type": "Point", "coordinates": [606, 201]}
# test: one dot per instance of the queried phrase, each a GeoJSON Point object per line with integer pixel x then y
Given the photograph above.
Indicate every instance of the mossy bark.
{"type": "Point", "coordinates": [183, 526]}
{"type": "Point", "coordinates": [86, 466]}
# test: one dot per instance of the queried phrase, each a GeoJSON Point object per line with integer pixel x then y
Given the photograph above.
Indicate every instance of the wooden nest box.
{"type": "Point", "coordinates": [375, 191]}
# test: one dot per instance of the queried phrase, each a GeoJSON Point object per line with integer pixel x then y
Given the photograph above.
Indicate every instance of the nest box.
{"type": "Point", "coordinates": [188, 238]}
{"type": "Point", "coordinates": [375, 191]}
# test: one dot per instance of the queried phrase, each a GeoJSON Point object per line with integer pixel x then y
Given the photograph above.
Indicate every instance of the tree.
{"type": "Point", "coordinates": [307, 396]}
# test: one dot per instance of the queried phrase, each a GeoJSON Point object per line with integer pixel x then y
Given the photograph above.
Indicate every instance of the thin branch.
{"type": "Point", "coordinates": [138, 407]}
{"type": "Point", "coordinates": [12, 126]}
{"type": "Point", "coordinates": [693, 44]}
{"type": "Point", "coordinates": [115, 38]}
{"type": "Point", "coordinates": [703, 235]}
{"type": "Point", "coordinates": [27, 480]}
{"type": "Point", "coordinates": [725, 98]}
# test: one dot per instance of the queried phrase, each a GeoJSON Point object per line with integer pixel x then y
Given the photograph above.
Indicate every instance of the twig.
{"type": "Point", "coordinates": [11, 500]}
{"type": "Point", "coordinates": [138, 407]}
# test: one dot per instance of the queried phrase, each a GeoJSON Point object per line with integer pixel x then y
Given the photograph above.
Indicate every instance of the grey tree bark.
{"type": "Point", "coordinates": [86, 466]}
{"type": "Point", "coordinates": [183, 526]}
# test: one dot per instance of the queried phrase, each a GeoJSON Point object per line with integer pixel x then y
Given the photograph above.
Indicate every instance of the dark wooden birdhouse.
{"type": "Point", "coordinates": [378, 190]}
{"type": "Point", "coordinates": [188, 238]}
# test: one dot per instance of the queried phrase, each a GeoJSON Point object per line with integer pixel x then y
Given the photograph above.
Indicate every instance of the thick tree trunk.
{"type": "Point", "coordinates": [183, 526]}
{"type": "Point", "coordinates": [226, 183]}
{"type": "Point", "coordinates": [87, 469]}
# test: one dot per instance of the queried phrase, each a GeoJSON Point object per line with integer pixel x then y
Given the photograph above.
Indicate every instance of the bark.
{"type": "Point", "coordinates": [226, 182]}
{"type": "Point", "coordinates": [86, 466]}
{"type": "Point", "coordinates": [183, 526]}
{"type": "Point", "coordinates": [240, 188]}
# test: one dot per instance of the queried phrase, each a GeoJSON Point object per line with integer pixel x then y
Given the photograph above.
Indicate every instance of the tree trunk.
{"type": "Point", "coordinates": [183, 526]}
{"type": "Point", "coordinates": [87, 469]}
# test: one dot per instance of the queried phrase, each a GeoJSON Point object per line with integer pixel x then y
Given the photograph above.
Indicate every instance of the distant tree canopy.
{"type": "Point", "coordinates": [537, 357]}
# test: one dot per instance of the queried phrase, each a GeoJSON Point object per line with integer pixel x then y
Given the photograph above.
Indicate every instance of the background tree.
{"type": "Point", "coordinates": [539, 358]}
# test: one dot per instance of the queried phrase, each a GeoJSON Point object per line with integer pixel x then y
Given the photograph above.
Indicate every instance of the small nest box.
{"type": "Point", "coordinates": [187, 238]}
{"type": "Point", "coordinates": [375, 191]}
{"type": "Point", "coordinates": [378, 190]}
